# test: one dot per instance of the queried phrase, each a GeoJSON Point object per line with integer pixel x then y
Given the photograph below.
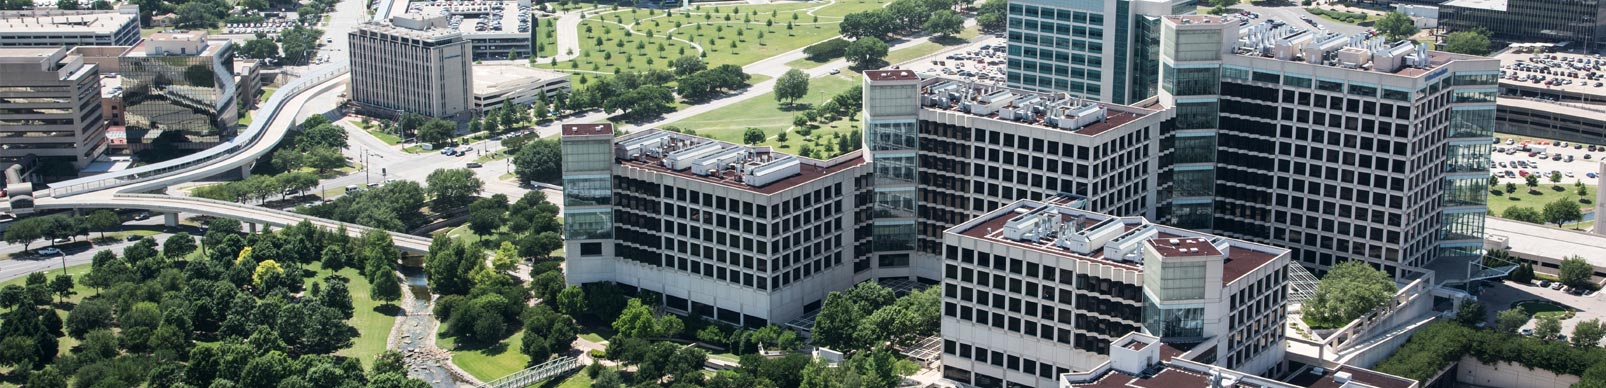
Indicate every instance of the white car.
{"type": "Point", "coordinates": [50, 251]}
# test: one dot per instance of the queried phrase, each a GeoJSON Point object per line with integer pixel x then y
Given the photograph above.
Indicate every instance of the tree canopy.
{"type": "Point", "coordinates": [1350, 289]}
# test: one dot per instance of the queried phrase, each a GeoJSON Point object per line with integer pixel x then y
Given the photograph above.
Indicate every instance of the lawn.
{"type": "Point", "coordinates": [385, 137]}
{"type": "Point", "coordinates": [578, 379]}
{"type": "Point", "coordinates": [489, 362]}
{"type": "Point", "coordinates": [1538, 309]}
{"type": "Point", "coordinates": [1537, 198]}
{"type": "Point", "coordinates": [1356, 18]}
{"type": "Point", "coordinates": [547, 35]}
{"type": "Point", "coordinates": [764, 113]}
{"type": "Point", "coordinates": [620, 50]}
{"type": "Point", "coordinates": [372, 319]}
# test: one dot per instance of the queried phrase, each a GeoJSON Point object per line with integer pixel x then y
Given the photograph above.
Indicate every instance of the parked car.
{"type": "Point", "coordinates": [473, 165]}
{"type": "Point", "coordinates": [132, 237]}
{"type": "Point", "coordinates": [1544, 283]}
{"type": "Point", "coordinates": [51, 251]}
{"type": "Point", "coordinates": [1556, 286]}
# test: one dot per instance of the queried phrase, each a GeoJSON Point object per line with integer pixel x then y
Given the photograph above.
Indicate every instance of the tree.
{"type": "Point", "coordinates": [1523, 213]}
{"type": "Point", "coordinates": [867, 52]}
{"type": "Point", "coordinates": [990, 15]}
{"type": "Point", "coordinates": [1396, 26]}
{"type": "Point", "coordinates": [91, 314]}
{"type": "Point", "coordinates": [1588, 333]}
{"type": "Point", "coordinates": [688, 65]}
{"type": "Point", "coordinates": [178, 246]}
{"type": "Point", "coordinates": [436, 131]}
{"type": "Point", "coordinates": [1575, 271]}
{"type": "Point", "coordinates": [1470, 314]}
{"type": "Point", "coordinates": [572, 300]}
{"type": "Point", "coordinates": [944, 23]}
{"type": "Point", "coordinates": [868, 24]}
{"type": "Point", "coordinates": [48, 377]}
{"type": "Point", "coordinates": [62, 286]}
{"type": "Point", "coordinates": [1350, 289]}
{"type": "Point", "coordinates": [261, 48]}
{"type": "Point", "coordinates": [540, 161]}
{"type": "Point", "coordinates": [791, 86]}
{"type": "Point", "coordinates": [26, 230]}
{"type": "Point", "coordinates": [1509, 320]}
{"type": "Point", "coordinates": [323, 159]}
{"type": "Point", "coordinates": [1547, 327]}
{"type": "Point", "coordinates": [485, 215]}
{"type": "Point", "coordinates": [1511, 188]}
{"type": "Point", "coordinates": [1562, 211]}
{"type": "Point", "coordinates": [825, 51]}
{"type": "Point", "coordinates": [324, 135]}
{"type": "Point", "coordinates": [753, 136]}
{"type": "Point", "coordinates": [1467, 42]}
{"type": "Point", "coordinates": [1532, 180]}
{"type": "Point", "coordinates": [103, 221]}
{"type": "Point", "coordinates": [385, 288]}
{"type": "Point", "coordinates": [195, 15]}
{"type": "Point", "coordinates": [453, 188]}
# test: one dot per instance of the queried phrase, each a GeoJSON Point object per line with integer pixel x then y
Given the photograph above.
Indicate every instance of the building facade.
{"type": "Point", "coordinates": [413, 65]}
{"type": "Point", "coordinates": [50, 111]}
{"type": "Point", "coordinates": [740, 234]}
{"type": "Point", "coordinates": [1034, 290]}
{"type": "Point", "coordinates": [179, 92]}
{"type": "Point", "coordinates": [946, 151]}
{"type": "Point", "coordinates": [1103, 50]}
{"type": "Point", "coordinates": [70, 28]}
{"type": "Point", "coordinates": [1336, 147]}
{"type": "Point", "coordinates": [1580, 23]}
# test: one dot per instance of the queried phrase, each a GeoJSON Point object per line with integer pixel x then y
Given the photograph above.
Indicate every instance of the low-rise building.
{"type": "Point", "coordinates": [1035, 290]}
{"type": "Point", "coordinates": [50, 113]}
{"type": "Point", "coordinates": [56, 28]}
{"type": "Point", "coordinates": [1552, 96]}
{"type": "Point", "coordinates": [498, 84]}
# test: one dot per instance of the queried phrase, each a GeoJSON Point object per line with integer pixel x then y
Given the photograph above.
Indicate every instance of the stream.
{"type": "Point", "coordinates": [417, 338]}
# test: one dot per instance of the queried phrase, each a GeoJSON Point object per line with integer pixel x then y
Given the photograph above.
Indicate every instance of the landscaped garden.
{"type": "Point", "coordinates": [1542, 309]}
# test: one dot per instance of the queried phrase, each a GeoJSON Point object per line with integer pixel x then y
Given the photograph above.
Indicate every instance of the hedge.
{"type": "Point", "coordinates": [1436, 346]}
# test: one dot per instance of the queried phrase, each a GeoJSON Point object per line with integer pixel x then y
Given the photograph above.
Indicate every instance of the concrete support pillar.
{"type": "Point", "coordinates": [245, 171]}
{"type": "Point", "coordinates": [253, 227]}
{"type": "Point", "coordinates": [170, 219]}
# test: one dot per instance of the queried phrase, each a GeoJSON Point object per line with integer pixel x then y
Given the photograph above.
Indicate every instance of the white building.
{"type": "Point", "coordinates": [1034, 290]}
{"type": "Point", "coordinates": [56, 28]}
{"type": "Point", "coordinates": [413, 65]}
{"type": "Point", "coordinates": [741, 234]}
{"type": "Point", "coordinates": [497, 84]}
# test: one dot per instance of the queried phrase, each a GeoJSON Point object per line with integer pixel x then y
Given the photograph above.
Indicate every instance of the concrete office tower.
{"type": "Point", "coordinates": [49, 111]}
{"type": "Point", "coordinates": [1338, 147]}
{"type": "Point", "coordinates": [1034, 290]}
{"type": "Point", "coordinates": [742, 234]}
{"type": "Point", "coordinates": [179, 91]}
{"type": "Point", "coordinates": [415, 64]}
{"type": "Point", "coordinates": [979, 147]}
{"type": "Point", "coordinates": [70, 28]}
{"type": "Point", "coordinates": [1104, 50]}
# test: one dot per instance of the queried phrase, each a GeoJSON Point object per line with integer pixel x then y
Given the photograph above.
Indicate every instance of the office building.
{"type": "Point", "coordinates": [1551, 96]}
{"type": "Point", "coordinates": [412, 65]}
{"type": "Point", "coordinates": [57, 28]}
{"type": "Point", "coordinates": [498, 29]}
{"type": "Point", "coordinates": [1034, 290]}
{"type": "Point", "coordinates": [1104, 50]}
{"type": "Point", "coordinates": [50, 111]}
{"type": "Point", "coordinates": [248, 83]}
{"type": "Point", "coordinates": [1143, 361]}
{"type": "Point", "coordinates": [742, 234]}
{"type": "Point", "coordinates": [946, 151]}
{"type": "Point", "coordinates": [179, 92]}
{"type": "Point", "coordinates": [1337, 147]}
{"type": "Point", "coordinates": [1568, 23]}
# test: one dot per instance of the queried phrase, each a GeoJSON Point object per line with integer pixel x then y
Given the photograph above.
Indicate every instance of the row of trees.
{"type": "Point", "coordinates": [903, 16]}
{"type": "Point", "coordinates": [1559, 212]}
{"type": "Point", "coordinates": [698, 82]}
{"type": "Point", "coordinates": [60, 226]}
{"type": "Point", "coordinates": [1438, 345]}
{"type": "Point", "coordinates": [530, 225]}
{"type": "Point", "coordinates": [244, 296]}
{"type": "Point", "coordinates": [870, 316]}
{"type": "Point", "coordinates": [260, 187]}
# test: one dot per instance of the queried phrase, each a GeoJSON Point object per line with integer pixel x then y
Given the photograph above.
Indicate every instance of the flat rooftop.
{"type": "Point", "coordinates": [729, 164]}
{"type": "Point", "coordinates": [212, 46]}
{"type": "Point", "coordinates": [1359, 51]}
{"type": "Point", "coordinates": [587, 129]}
{"type": "Point", "coordinates": [26, 54]}
{"type": "Point", "coordinates": [1045, 110]}
{"type": "Point", "coordinates": [1492, 5]}
{"type": "Point", "coordinates": [489, 78]}
{"type": "Point", "coordinates": [497, 16]}
{"type": "Point", "coordinates": [891, 75]}
{"type": "Point", "coordinates": [1241, 257]}
{"type": "Point", "coordinates": [1543, 241]}
{"type": "Point", "coordinates": [428, 34]}
{"type": "Point", "coordinates": [60, 22]}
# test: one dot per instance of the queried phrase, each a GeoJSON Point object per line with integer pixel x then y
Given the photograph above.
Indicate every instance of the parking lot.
{"type": "Point", "coordinates": [1500, 296]}
{"type": "Point", "coordinates": [1511, 160]}
{"type": "Point", "coordinates": [982, 61]}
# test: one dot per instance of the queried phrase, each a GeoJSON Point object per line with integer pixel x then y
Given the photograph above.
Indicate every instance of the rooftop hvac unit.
{"type": "Point", "coordinates": [682, 159]}
{"type": "Point", "coordinates": [775, 170]}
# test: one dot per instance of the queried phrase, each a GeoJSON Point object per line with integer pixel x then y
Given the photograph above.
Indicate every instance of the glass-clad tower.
{"type": "Point", "coordinates": [179, 87]}
{"type": "Point", "coordinates": [1103, 50]}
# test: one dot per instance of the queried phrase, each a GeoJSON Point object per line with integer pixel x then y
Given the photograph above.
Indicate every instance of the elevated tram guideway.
{"type": "Point", "coordinates": [123, 189]}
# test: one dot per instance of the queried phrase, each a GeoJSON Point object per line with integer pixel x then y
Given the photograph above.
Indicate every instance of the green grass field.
{"type": "Point", "coordinates": [547, 34]}
{"type": "Point", "coordinates": [487, 362]}
{"type": "Point", "coordinates": [1539, 309]}
{"type": "Point", "coordinates": [763, 112]}
{"type": "Point", "coordinates": [1537, 198]}
{"type": "Point", "coordinates": [372, 319]}
{"type": "Point", "coordinates": [620, 50]}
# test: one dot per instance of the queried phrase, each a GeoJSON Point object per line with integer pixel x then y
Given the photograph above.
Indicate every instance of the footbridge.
{"type": "Point", "coordinates": [128, 189]}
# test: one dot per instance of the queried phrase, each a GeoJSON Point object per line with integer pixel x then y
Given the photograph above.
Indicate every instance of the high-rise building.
{"type": "Point", "coordinates": [742, 234]}
{"type": "Point", "coordinates": [946, 151]}
{"type": "Point", "coordinates": [1570, 23]}
{"type": "Point", "coordinates": [415, 64]}
{"type": "Point", "coordinates": [50, 110]}
{"type": "Point", "coordinates": [179, 91]}
{"type": "Point", "coordinates": [70, 28]}
{"type": "Point", "coordinates": [1104, 50]}
{"type": "Point", "coordinates": [1034, 290]}
{"type": "Point", "coordinates": [1336, 147]}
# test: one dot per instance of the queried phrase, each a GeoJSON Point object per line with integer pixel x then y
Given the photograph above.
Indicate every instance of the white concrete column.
{"type": "Point", "coordinates": [252, 226]}
{"type": "Point", "coordinates": [170, 219]}
{"type": "Point", "coordinates": [245, 171]}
